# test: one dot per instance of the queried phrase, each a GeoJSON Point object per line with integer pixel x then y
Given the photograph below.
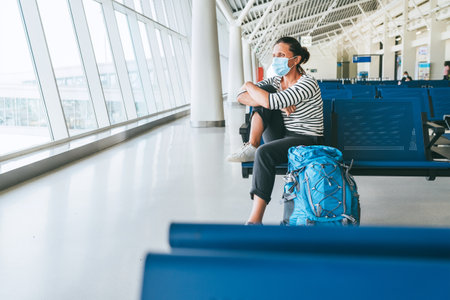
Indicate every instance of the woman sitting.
{"type": "Point", "coordinates": [290, 117]}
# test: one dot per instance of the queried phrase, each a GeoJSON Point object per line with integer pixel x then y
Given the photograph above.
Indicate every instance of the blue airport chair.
{"type": "Point", "coordinates": [388, 82]}
{"type": "Point", "coordinates": [350, 241]}
{"type": "Point", "coordinates": [361, 91]}
{"type": "Point", "coordinates": [440, 103]}
{"type": "Point", "coordinates": [385, 138]}
{"type": "Point", "coordinates": [438, 83]}
{"type": "Point", "coordinates": [330, 85]}
{"type": "Point", "coordinates": [255, 275]}
{"type": "Point", "coordinates": [327, 120]}
{"type": "Point", "coordinates": [415, 83]}
{"type": "Point", "coordinates": [420, 94]}
{"type": "Point", "coordinates": [333, 94]}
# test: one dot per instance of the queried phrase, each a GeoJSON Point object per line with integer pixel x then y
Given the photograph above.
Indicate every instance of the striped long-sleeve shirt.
{"type": "Point", "coordinates": [305, 95]}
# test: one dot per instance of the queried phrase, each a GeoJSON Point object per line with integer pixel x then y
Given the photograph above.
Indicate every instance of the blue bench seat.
{"type": "Point", "coordinates": [385, 138]}
{"type": "Point", "coordinates": [235, 262]}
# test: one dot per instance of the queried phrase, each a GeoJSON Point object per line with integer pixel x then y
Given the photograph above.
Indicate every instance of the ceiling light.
{"type": "Point", "coordinates": [418, 32]}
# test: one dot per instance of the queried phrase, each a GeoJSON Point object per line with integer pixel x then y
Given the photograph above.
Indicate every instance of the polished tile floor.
{"type": "Point", "coordinates": [82, 232]}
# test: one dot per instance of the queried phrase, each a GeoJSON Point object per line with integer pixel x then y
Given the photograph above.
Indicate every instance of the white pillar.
{"type": "Point", "coordinates": [374, 68]}
{"type": "Point", "coordinates": [235, 70]}
{"type": "Point", "coordinates": [408, 52]}
{"type": "Point", "coordinates": [254, 66]}
{"type": "Point", "coordinates": [247, 60]}
{"type": "Point", "coordinates": [352, 67]}
{"type": "Point", "coordinates": [437, 45]}
{"type": "Point", "coordinates": [340, 59]}
{"type": "Point", "coordinates": [206, 87]}
{"type": "Point", "coordinates": [388, 55]}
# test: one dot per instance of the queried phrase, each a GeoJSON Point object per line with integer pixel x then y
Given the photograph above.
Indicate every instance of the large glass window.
{"type": "Point", "coordinates": [153, 9]}
{"type": "Point", "coordinates": [137, 6]}
{"type": "Point", "coordinates": [23, 118]}
{"type": "Point", "coordinates": [171, 102]}
{"type": "Point", "coordinates": [130, 58]}
{"type": "Point", "coordinates": [166, 20]}
{"type": "Point", "coordinates": [105, 62]}
{"type": "Point", "coordinates": [184, 70]}
{"type": "Point", "coordinates": [151, 67]}
{"type": "Point", "coordinates": [69, 72]}
{"type": "Point", "coordinates": [177, 73]}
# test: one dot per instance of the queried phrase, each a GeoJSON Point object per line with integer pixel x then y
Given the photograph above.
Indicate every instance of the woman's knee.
{"type": "Point", "coordinates": [264, 153]}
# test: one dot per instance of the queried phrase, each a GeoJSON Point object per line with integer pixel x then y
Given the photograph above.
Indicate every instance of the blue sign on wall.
{"type": "Point", "coordinates": [361, 59]}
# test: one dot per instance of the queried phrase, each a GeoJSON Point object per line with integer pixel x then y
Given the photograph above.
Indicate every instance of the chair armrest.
{"type": "Point", "coordinates": [438, 130]}
{"type": "Point", "coordinates": [244, 131]}
{"type": "Point", "coordinates": [447, 121]}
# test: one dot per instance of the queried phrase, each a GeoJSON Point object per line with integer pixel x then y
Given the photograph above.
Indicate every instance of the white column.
{"type": "Point", "coordinates": [254, 67]}
{"type": "Point", "coordinates": [247, 60]}
{"type": "Point", "coordinates": [206, 87]}
{"type": "Point", "coordinates": [408, 51]}
{"type": "Point", "coordinates": [437, 45]}
{"type": "Point", "coordinates": [235, 70]}
{"type": "Point", "coordinates": [388, 55]}
{"type": "Point", "coordinates": [352, 67]}
{"type": "Point", "coordinates": [340, 59]}
{"type": "Point", "coordinates": [374, 68]}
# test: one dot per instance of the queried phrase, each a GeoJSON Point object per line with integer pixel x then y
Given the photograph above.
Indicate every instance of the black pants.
{"type": "Point", "coordinates": [274, 151]}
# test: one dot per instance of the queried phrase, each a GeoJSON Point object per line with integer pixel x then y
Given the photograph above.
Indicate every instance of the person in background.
{"type": "Point", "coordinates": [446, 70]}
{"type": "Point", "coordinates": [406, 77]}
{"type": "Point", "coordinates": [297, 99]}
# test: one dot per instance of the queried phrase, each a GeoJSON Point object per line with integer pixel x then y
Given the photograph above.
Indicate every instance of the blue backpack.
{"type": "Point", "coordinates": [319, 189]}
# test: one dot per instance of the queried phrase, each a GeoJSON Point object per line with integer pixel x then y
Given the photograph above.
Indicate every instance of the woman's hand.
{"type": "Point", "coordinates": [289, 110]}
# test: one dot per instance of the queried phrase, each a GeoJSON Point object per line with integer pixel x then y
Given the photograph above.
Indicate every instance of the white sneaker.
{"type": "Point", "coordinates": [244, 154]}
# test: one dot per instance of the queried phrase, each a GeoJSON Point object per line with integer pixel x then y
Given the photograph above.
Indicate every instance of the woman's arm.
{"type": "Point", "coordinates": [260, 96]}
{"type": "Point", "coordinates": [294, 94]}
{"type": "Point", "coordinates": [246, 99]}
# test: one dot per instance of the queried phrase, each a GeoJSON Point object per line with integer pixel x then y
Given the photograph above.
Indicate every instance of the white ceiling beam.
{"type": "Point", "coordinates": [359, 32]}
{"type": "Point", "coordinates": [226, 10]}
{"type": "Point", "coordinates": [389, 16]}
{"type": "Point", "coordinates": [245, 12]}
{"type": "Point", "coordinates": [294, 5]}
{"type": "Point", "coordinates": [349, 38]}
{"type": "Point", "coordinates": [374, 16]}
{"type": "Point", "coordinates": [255, 9]}
{"type": "Point", "coordinates": [319, 14]}
{"type": "Point", "coordinates": [281, 12]}
{"type": "Point", "coordinates": [421, 14]}
{"type": "Point", "coordinates": [262, 19]}
{"type": "Point", "coordinates": [330, 8]}
{"type": "Point", "coordinates": [303, 32]}
{"type": "Point", "coordinates": [369, 21]}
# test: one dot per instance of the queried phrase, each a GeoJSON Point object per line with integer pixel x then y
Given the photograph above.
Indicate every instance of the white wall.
{"type": "Point", "coordinates": [323, 61]}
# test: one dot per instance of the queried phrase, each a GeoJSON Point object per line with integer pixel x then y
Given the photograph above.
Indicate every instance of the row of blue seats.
{"type": "Point", "coordinates": [414, 83]}
{"type": "Point", "coordinates": [387, 137]}
{"type": "Point", "coordinates": [435, 101]}
{"type": "Point", "coordinates": [274, 262]}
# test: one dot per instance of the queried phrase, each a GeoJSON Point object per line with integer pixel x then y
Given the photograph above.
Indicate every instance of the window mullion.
{"type": "Point", "coordinates": [141, 62]}
{"type": "Point", "coordinates": [44, 69]}
{"type": "Point", "coordinates": [119, 59]}
{"type": "Point", "coordinates": [89, 63]}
